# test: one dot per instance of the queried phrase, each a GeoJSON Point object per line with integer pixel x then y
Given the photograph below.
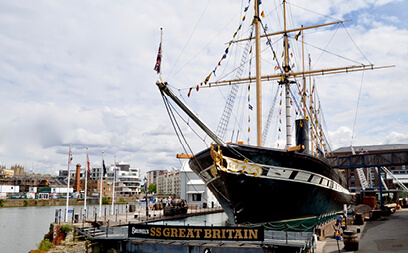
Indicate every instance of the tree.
{"type": "Point", "coordinates": [152, 188]}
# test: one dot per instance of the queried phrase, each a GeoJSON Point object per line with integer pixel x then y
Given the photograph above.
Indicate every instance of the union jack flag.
{"type": "Point", "coordinates": [158, 60]}
{"type": "Point", "coordinates": [70, 155]}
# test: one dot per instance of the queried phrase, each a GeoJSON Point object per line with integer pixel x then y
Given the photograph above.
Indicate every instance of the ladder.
{"type": "Point", "coordinates": [223, 124]}
{"type": "Point", "coordinates": [362, 178]}
{"type": "Point", "coordinates": [360, 174]}
{"type": "Point", "coordinates": [269, 118]}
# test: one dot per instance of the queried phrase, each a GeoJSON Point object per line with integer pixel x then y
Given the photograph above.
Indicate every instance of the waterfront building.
{"type": "Point", "coordinates": [7, 189]}
{"type": "Point", "coordinates": [194, 190]}
{"type": "Point", "coordinates": [94, 187]}
{"type": "Point", "coordinates": [168, 183]}
{"type": "Point", "coordinates": [371, 174]}
{"type": "Point", "coordinates": [6, 173]}
{"type": "Point", "coordinates": [63, 175]}
{"type": "Point", "coordinates": [16, 170]}
{"type": "Point", "coordinates": [153, 175]}
{"type": "Point", "coordinates": [127, 178]}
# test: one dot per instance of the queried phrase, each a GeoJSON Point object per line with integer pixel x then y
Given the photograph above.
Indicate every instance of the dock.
{"type": "Point", "coordinates": [385, 234]}
{"type": "Point", "coordinates": [381, 233]}
{"type": "Point", "coordinates": [112, 231]}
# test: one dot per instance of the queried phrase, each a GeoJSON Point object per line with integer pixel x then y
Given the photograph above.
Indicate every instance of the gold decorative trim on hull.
{"type": "Point", "coordinates": [234, 165]}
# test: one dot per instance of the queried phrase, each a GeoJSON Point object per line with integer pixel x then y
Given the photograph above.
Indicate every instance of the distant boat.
{"type": "Point", "coordinates": [256, 184]}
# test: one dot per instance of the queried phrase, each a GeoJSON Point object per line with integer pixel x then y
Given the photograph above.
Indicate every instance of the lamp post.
{"type": "Point", "coordinates": [147, 201]}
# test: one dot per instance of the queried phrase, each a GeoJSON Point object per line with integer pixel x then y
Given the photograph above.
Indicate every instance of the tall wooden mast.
{"type": "Point", "coordinates": [258, 76]}
{"type": "Point", "coordinates": [285, 81]}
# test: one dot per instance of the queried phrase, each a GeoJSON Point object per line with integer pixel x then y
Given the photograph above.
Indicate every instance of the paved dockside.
{"type": "Point", "coordinates": [387, 234]}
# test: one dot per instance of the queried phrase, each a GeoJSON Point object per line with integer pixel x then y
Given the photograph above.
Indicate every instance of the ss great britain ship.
{"type": "Point", "coordinates": [256, 184]}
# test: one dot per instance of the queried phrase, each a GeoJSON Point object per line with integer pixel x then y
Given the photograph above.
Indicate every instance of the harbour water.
{"type": "Point", "coordinates": [21, 228]}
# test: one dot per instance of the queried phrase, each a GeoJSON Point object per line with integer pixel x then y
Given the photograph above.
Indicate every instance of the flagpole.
{"type": "Point", "coordinates": [69, 179]}
{"type": "Point", "coordinates": [100, 189]}
{"type": "Point", "coordinates": [114, 184]}
{"type": "Point", "coordinates": [86, 180]}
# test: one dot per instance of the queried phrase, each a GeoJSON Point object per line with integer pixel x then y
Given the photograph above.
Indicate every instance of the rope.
{"type": "Point", "coordinates": [191, 35]}
{"type": "Point", "coordinates": [358, 103]}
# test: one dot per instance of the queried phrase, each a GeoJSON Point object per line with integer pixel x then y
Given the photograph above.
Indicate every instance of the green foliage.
{"type": "Point", "coordinates": [105, 200]}
{"type": "Point", "coordinates": [152, 188]}
{"type": "Point", "coordinates": [44, 245]}
{"type": "Point", "coordinates": [26, 202]}
{"type": "Point", "coordinates": [1, 202]}
{"type": "Point", "coordinates": [66, 228]}
{"type": "Point", "coordinates": [121, 200]}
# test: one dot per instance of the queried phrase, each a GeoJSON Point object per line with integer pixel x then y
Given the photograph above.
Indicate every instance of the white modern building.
{"type": "Point", "coordinates": [194, 190]}
{"type": "Point", "coordinates": [168, 183]}
{"type": "Point", "coordinates": [127, 179]}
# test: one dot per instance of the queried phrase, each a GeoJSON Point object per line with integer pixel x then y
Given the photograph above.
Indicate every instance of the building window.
{"type": "Point", "coordinates": [196, 197]}
{"type": "Point", "coordinates": [352, 178]}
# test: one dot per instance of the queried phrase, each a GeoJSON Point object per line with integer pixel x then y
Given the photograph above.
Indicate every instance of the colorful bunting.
{"type": "Point", "coordinates": [297, 35]}
{"type": "Point", "coordinates": [207, 79]}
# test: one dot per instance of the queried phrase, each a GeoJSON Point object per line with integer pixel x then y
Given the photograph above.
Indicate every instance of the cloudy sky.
{"type": "Point", "coordinates": [81, 73]}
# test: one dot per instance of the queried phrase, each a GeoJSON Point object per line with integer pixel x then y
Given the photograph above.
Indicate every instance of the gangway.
{"type": "Point", "coordinates": [369, 160]}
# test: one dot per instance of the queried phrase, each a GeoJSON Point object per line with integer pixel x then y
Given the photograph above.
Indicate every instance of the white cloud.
{"type": "Point", "coordinates": [81, 73]}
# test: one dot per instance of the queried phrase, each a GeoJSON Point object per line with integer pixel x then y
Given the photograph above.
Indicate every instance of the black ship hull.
{"type": "Point", "coordinates": [260, 185]}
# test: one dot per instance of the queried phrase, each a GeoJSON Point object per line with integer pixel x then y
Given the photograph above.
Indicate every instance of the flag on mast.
{"type": "Point", "coordinates": [157, 66]}
{"type": "Point", "coordinates": [158, 60]}
{"type": "Point", "coordinates": [104, 167]}
{"type": "Point", "coordinates": [70, 157]}
{"type": "Point", "coordinates": [88, 163]}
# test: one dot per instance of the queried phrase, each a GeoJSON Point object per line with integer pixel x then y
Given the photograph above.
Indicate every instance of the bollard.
{"type": "Point", "coordinates": [359, 220]}
{"type": "Point", "coordinates": [350, 240]}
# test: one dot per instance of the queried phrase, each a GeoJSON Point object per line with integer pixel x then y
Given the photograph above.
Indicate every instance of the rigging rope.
{"type": "Point", "coordinates": [191, 35]}
{"type": "Point", "coordinates": [186, 147]}
{"type": "Point", "coordinates": [358, 103]}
